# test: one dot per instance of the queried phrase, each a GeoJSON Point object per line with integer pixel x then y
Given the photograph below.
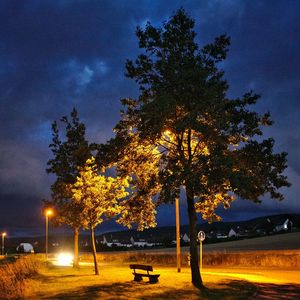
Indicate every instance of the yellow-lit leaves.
{"type": "Point", "coordinates": [214, 196]}
{"type": "Point", "coordinates": [140, 160]}
{"type": "Point", "coordinates": [98, 194]}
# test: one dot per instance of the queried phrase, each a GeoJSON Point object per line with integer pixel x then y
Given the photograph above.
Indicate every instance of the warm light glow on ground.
{"type": "Point", "coordinates": [116, 282]}
{"type": "Point", "coordinates": [255, 277]}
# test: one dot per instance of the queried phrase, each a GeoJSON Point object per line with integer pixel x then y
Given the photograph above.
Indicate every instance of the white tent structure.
{"type": "Point", "coordinates": [28, 248]}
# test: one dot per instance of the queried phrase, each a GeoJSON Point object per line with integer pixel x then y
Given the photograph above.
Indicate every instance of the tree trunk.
{"type": "Point", "coordinates": [196, 277]}
{"type": "Point", "coordinates": [76, 257]}
{"type": "Point", "coordinates": [94, 251]}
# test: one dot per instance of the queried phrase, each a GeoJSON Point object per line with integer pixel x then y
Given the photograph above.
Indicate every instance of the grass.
{"type": "Point", "coordinates": [14, 275]}
{"type": "Point", "coordinates": [116, 282]}
{"type": "Point", "coordinates": [278, 259]}
{"type": "Point", "coordinates": [29, 278]}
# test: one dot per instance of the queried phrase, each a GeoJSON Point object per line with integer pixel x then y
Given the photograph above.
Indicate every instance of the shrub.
{"type": "Point", "coordinates": [13, 275]}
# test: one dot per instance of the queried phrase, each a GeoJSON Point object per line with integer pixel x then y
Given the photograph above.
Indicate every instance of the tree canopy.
{"type": "Point", "coordinates": [98, 197]}
{"type": "Point", "coordinates": [69, 154]}
{"type": "Point", "coordinates": [184, 131]}
{"type": "Point", "coordinates": [97, 194]}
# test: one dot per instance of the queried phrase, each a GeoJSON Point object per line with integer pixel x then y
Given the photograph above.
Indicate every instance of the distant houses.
{"type": "Point", "coordinates": [284, 225]}
{"type": "Point", "coordinates": [216, 232]}
{"type": "Point", "coordinates": [262, 228]}
{"type": "Point", "coordinates": [141, 243]}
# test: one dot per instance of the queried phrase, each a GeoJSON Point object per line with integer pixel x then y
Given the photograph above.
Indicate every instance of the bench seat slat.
{"type": "Point", "coordinates": [146, 275]}
{"type": "Point", "coordinates": [141, 267]}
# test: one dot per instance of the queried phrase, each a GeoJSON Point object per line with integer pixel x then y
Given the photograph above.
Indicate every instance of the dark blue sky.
{"type": "Point", "coordinates": [55, 55]}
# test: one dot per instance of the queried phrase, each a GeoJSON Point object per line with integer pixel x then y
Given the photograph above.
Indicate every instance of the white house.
{"type": "Point", "coordinates": [221, 236]}
{"type": "Point", "coordinates": [232, 233]}
{"type": "Point", "coordinates": [104, 240]}
{"type": "Point", "coordinates": [186, 238]}
{"type": "Point", "coordinates": [114, 243]}
{"type": "Point", "coordinates": [141, 243]}
{"type": "Point", "coordinates": [284, 226]}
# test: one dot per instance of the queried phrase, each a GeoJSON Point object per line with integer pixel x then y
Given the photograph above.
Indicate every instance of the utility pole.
{"type": "Point", "coordinates": [177, 236]}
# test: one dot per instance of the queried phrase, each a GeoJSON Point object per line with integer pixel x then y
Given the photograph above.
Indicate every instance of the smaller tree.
{"type": "Point", "coordinates": [98, 195]}
{"type": "Point", "coordinates": [69, 153]}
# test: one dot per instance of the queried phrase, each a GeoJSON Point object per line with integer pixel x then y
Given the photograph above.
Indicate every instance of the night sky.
{"type": "Point", "coordinates": [55, 55]}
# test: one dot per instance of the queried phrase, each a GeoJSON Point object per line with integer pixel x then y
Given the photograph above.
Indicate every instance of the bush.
{"type": "Point", "coordinates": [13, 275]}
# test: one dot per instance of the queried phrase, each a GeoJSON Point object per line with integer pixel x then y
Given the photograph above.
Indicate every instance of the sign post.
{"type": "Point", "coordinates": [201, 238]}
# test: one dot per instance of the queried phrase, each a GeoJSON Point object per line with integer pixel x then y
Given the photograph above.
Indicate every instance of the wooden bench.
{"type": "Point", "coordinates": [153, 278]}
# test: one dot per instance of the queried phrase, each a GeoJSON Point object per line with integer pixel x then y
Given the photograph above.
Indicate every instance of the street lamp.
{"type": "Point", "coordinates": [3, 236]}
{"type": "Point", "coordinates": [177, 235]}
{"type": "Point", "coordinates": [48, 213]}
{"type": "Point", "coordinates": [168, 135]}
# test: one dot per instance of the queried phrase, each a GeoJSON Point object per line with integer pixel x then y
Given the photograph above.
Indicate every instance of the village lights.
{"type": "Point", "coordinates": [3, 236]}
{"type": "Point", "coordinates": [48, 213]}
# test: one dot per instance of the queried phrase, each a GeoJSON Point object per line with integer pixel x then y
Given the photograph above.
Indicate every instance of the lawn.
{"type": "Point", "coordinates": [36, 280]}
{"type": "Point", "coordinates": [116, 282]}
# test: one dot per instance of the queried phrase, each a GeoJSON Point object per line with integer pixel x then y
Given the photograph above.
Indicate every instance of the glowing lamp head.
{"type": "Point", "coordinates": [49, 212]}
{"type": "Point", "coordinates": [4, 234]}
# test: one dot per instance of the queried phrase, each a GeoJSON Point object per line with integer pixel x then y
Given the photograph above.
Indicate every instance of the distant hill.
{"type": "Point", "coordinates": [168, 232]}
{"type": "Point", "coordinates": [164, 235]}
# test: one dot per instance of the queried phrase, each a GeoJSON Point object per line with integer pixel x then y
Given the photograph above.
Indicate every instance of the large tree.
{"type": "Point", "coordinates": [184, 131]}
{"type": "Point", "coordinates": [98, 195]}
{"type": "Point", "coordinates": [69, 154]}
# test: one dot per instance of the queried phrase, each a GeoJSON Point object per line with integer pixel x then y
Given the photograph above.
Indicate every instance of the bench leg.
{"type": "Point", "coordinates": [153, 279]}
{"type": "Point", "coordinates": [137, 278]}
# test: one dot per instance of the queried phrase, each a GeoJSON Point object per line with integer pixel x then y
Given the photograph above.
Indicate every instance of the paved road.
{"type": "Point", "coordinates": [257, 275]}
{"type": "Point", "coordinates": [271, 284]}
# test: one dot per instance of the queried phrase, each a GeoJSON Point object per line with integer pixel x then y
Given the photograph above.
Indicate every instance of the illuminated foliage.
{"type": "Point", "coordinates": [139, 161]}
{"type": "Point", "coordinates": [183, 131]}
{"type": "Point", "coordinates": [97, 194]}
{"type": "Point", "coordinates": [98, 197]}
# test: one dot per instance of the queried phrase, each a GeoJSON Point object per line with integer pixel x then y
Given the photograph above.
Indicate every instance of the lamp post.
{"type": "Point", "coordinates": [48, 213]}
{"type": "Point", "coordinates": [177, 236]}
{"type": "Point", "coordinates": [3, 236]}
{"type": "Point", "coordinates": [168, 136]}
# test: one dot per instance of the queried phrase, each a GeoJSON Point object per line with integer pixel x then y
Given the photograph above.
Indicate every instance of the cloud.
{"type": "Point", "coordinates": [55, 55]}
{"type": "Point", "coordinates": [22, 170]}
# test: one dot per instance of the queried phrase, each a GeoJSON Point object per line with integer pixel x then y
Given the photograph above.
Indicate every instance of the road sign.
{"type": "Point", "coordinates": [201, 236]}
